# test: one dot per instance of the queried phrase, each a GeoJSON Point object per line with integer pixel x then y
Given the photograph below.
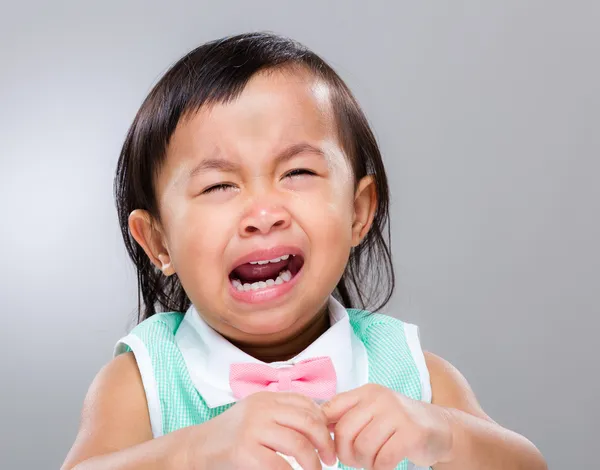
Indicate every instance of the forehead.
{"type": "Point", "coordinates": [276, 108]}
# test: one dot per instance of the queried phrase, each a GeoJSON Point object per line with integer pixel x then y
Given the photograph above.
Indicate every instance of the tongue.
{"type": "Point", "coordinates": [258, 272]}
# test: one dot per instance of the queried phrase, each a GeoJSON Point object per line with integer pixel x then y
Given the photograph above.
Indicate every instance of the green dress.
{"type": "Point", "coordinates": [394, 357]}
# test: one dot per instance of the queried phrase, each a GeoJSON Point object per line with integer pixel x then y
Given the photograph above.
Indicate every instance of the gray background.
{"type": "Point", "coordinates": [487, 114]}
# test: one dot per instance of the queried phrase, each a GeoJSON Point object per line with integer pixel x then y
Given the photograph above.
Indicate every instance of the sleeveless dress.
{"type": "Point", "coordinates": [182, 374]}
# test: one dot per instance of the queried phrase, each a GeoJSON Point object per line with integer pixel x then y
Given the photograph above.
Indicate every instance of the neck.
{"type": "Point", "coordinates": [290, 347]}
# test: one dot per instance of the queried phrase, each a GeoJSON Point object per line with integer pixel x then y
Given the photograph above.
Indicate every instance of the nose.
{"type": "Point", "coordinates": [264, 220]}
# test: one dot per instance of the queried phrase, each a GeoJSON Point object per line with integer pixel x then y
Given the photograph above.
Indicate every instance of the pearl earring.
{"type": "Point", "coordinates": [164, 266]}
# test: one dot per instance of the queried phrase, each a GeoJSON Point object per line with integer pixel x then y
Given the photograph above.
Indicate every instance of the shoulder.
{"type": "Point", "coordinates": [362, 320]}
{"type": "Point", "coordinates": [383, 332]}
{"type": "Point", "coordinates": [380, 330]}
{"type": "Point", "coordinates": [381, 327]}
{"type": "Point", "coordinates": [450, 388]}
{"type": "Point", "coordinates": [120, 376]}
{"type": "Point", "coordinates": [117, 391]}
{"type": "Point", "coordinates": [165, 321]}
{"type": "Point", "coordinates": [157, 330]}
{"type": "Point", "coordinates": [115, 413]}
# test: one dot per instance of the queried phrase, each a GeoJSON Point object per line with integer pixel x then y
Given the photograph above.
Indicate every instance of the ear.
{"type": "Point", "coordinates": [151, 239]}
{"type": "Point", "coordinates": [365, 204]}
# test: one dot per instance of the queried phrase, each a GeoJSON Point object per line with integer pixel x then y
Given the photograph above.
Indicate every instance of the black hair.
{"type": "Point", "coordinates": [217, 72]}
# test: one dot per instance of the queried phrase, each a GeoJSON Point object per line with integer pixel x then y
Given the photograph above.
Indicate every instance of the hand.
{"type": "Point", "coordinates": [376, 428]}
{"type": "Point", "coordinates": [248, 435]}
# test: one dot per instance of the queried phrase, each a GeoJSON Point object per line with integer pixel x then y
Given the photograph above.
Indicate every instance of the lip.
{"type": "Point", "coordinates": [266, 294]}
{"type": "Point", "coordinates": [266, 254]}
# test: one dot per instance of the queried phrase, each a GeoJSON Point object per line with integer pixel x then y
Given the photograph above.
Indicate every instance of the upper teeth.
{"type": "Point", "coordinates": [274, 260]}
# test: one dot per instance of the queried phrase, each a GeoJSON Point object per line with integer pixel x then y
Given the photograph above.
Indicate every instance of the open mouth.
{"type": "Point", "coordinates": [257, 275]}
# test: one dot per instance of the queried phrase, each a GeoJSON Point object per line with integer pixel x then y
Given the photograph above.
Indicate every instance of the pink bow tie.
{"type": "Point", "coordinates": [314, 378]}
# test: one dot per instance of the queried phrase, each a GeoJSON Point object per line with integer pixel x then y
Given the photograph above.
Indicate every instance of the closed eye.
{"type": "Point", "coordinates": [299, 172]}
{"type": "Point", "coordinates": [218, 187]}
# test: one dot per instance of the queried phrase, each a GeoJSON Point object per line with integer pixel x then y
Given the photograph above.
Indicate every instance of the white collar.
{"type": "Point", "coordinates": [208, 355]}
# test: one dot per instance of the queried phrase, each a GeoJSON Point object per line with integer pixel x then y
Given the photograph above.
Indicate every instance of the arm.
{"type": "Point", "coordinates": [115, 430]}
{"type": "Point", "coordinates": [477, 441]}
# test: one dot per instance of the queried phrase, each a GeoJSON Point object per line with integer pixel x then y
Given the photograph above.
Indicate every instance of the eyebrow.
{"type": "Point", "coordinates": [222, 164]}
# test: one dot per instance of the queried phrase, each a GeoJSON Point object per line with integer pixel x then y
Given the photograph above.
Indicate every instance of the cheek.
{"type": "Point", "coordinates": [326, 217]}
{"type": "Point", "coordinates": [337, 230]}
{"type": "Point", "coordinates": [200, 239]}
{"type": "Point", "coordinates": [331, 241]}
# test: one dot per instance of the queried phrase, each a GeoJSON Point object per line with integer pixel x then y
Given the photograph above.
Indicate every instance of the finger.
{"type": "Point", "coordinates": [296, 399]}
{"type": "Point", "coordinates": [267, 458]}
{"type": "Point", "coordinates": [311, 423]}
{"type": "Point", "coordinates": [302, 402]}
{"type": "Point", "coordinates": [347, 430]}
{"type": "Point", "coordinates": [339, 405]}
{"type": "Point", "coordinates": [292, 443]}
{"type": "Point", "coordinates": [370, 440]}
{"type": "Point", "coordinates": [390, 454]}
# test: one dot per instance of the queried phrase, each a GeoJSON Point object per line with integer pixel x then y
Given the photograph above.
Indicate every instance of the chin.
{"type": "Point", "coordinates": [266, 323]}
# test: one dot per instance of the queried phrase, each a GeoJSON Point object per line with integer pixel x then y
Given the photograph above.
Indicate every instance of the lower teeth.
{"type": "Point", "coordinates": [284, 276]}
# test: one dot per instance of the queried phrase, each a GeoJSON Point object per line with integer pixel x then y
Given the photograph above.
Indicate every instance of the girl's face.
{"type": "Point", "coordinates": [259, 209]}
